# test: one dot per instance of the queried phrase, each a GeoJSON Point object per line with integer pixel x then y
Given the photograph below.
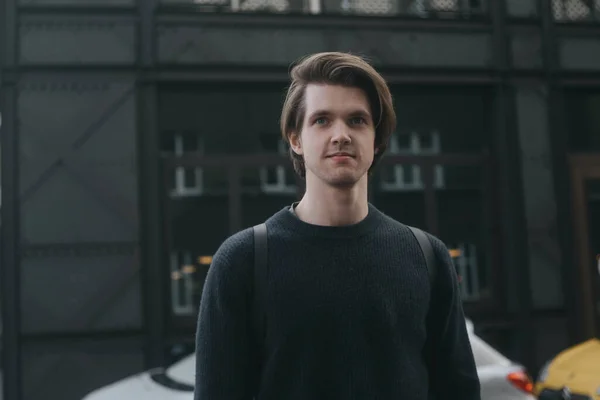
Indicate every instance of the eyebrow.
{"type": "Point", "coordinates": [355, 113]}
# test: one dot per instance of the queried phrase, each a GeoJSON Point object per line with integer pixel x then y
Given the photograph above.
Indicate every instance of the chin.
{"type": "Point", "coordinates": [343, 181]}
{"type": "Point", "coordinates": [340, 178]}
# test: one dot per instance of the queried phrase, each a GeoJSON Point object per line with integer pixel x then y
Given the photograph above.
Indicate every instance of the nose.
{"type": "Point", "coordinates": [341, 135]}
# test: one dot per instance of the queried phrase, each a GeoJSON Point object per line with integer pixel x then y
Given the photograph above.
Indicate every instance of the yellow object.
{"type": "Point", "coordinates": [204, 260]}
{"type": "Point", "coordinates": [576, 370]}
{"type": "Point", "coordinates": [454, 253]}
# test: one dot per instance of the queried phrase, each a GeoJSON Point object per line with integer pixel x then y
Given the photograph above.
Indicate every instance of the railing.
{"type": "Point", "coordinates": [413, 8]}
{"type": "Point", "coordinates": [576, 10]}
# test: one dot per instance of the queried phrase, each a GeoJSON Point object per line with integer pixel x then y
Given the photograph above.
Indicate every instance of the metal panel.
{"type": "Point", "coordinates": [70, 369]}
{"type": "Point", "coordinates": [11, 387]}
{"type": "Point", "coordinates": [522, 8]}
{"type": "Point", "coordinates": [77, 3]}
{"type": "Point", "coordinates": [78, 176]}
{"type": "Point", "coordinates": [77, 40]}
{"type": "Point", "coordinates": [10, 245]}
{"type": "Point", "coordinates": [155, 274]}
{"type": "Point", "coordinates": [426, 9]}
{"type": "Point", "coordinates": [580, 53]}
{"type": "Point", "coordinates": [526, 48]}
{"type": "Point", "coordinates": [540, 205]}
{"type": "Point", "coordinates": [64, 293]}
{"type": "Point", "coordinates": [205, 45]}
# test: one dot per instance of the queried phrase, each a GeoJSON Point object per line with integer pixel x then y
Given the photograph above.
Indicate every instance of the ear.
{"type": "Point", "coordinates": [376, 150]}
{"type": "Point", "coordinates": [295, 143]}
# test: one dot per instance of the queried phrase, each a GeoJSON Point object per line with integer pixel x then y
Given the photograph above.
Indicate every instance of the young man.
{"type": "Point", "coordinates": [350, 311]}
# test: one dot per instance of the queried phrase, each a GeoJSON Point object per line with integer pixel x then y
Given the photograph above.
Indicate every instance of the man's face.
{"type": "Point", "coordinates": [338, 136]}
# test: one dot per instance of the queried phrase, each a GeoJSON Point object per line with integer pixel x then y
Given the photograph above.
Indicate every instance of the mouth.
{"type": "Point", "coordinates": [335, 155]}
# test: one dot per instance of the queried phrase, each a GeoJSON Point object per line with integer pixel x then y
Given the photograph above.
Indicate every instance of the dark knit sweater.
{"type": "Point", "coordinates": [348, 317]}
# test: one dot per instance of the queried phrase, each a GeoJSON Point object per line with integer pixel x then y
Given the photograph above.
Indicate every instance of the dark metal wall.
{"type": "Point", "coordinates": [73, 266]}
{"type": "Point", "coordinates": [81, 213]}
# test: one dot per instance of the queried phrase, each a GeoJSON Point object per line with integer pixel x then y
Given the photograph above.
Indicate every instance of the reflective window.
{"type": "Point", "coordinates": [576, 10]}
{"type": "Point", "coordinates": [522, 8]}
{"type": "Point", "coordinates": [412, 8]}
{"type": "Point", "coordinates": [464, 223]}
{"type": "Point", "coordinates": [197, 221]}
{"type": "Point", "coordinates": [582, 113]}
{"type": "Point", "coordinates": [203, 205]}
{"type": "Point", "coordinates": [434, 123]}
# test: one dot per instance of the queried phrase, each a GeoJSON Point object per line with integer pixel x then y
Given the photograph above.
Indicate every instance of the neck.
{"type": "Point", "coordinates": [331, 206]}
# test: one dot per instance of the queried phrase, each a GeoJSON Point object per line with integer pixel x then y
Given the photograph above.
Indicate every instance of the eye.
{"type": "Point", "coordinates": [357, 120]}
{"type": "Point", "coordinates": [320, 121]}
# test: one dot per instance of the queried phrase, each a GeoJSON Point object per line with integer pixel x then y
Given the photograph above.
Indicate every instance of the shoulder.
{"type": "Point", "coordinates": [236, 246]}
{"type": "Point", "coordinates": [233, 260]}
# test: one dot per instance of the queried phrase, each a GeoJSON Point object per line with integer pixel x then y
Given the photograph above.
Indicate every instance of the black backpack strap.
{"type": "Point", "coordinates": [427, 250]}
{"type": "Point", "coordinates": [260, 277]}
{"type": "Point", "coordinates": [430, 346]}
{"type": "Point", "coordinates": [260, 281]}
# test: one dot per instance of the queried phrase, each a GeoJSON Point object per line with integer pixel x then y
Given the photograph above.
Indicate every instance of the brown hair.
{"type": "Point", "coordinates": [337, 69]}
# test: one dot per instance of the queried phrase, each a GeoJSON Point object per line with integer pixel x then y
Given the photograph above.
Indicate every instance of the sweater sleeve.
{"type": "Point", "coordinates": [223, 338]}
{"type": "Point", "coordinates": [451, 362]}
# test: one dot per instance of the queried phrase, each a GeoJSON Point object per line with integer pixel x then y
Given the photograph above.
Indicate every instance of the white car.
{"type": "Point", "coordinates": [501, 379]}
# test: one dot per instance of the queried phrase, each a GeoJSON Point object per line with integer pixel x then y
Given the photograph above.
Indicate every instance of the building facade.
{"type": "Point", "coordinates": [136, 136]}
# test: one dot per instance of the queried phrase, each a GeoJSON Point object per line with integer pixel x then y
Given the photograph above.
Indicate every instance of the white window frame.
{"type": "Point", "coordinates": [187, 307]}
{"type": "Point", "coordinates": [180, 189]}
{"type": "Point", "coordinates": [280, 186]}
{"type": "Point", "coordinates": [399, 183]}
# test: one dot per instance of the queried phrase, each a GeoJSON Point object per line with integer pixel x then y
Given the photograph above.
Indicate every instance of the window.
{"type": "Point", "coordinates": [576, 10]}
{"type": "Point", "coordinates": [187, 181]}
{"type": "Point", "coordinates": [237, 174]}
{"type": "Point", "coordinates": [442, 138]}
{"type": "Point", "coordinates": [400, 177]}
{"type": "Point", "coordinates": [412, 8]}
{"type": "Point", "coordinates": [277, 179]}
{"type": "Point", "coordinates": [464, 223]}
{"type": "Point", "coordinates": [582, 112]}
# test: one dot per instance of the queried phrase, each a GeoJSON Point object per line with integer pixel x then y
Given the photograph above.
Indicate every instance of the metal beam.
{"type": "Point", "coordinates": [280, 74]}
{"type": "Point", "coordinates": [10, 212]}
{"type": "Point", "coordinates": [74, 9]}
{"type": "Point", "coordinates": [146, 33]}
{"type": "Point", "coordinates": [517, 230]}
{"type": "Point", "coordinates": [192, 14]}
{"type": "Point", "coordinates": [508, 151]}
{"type": "Point", "coordinates": [155, 277]}
{"type": "Point", "coordinates": [559, 145]}
{"type": "Point", "coordinates": [155, 287]}
{"type": "Point", "coordinates": [10, 238]}
{"type": "Point", "coordinates": [192, 159]}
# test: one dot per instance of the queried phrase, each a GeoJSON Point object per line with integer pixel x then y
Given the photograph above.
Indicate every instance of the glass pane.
{"type": "Point", "coordinates": [397, 191]}
{"type": "Point", "coordinates": [583, 121]}
{"type": "Point", "coordinates": [463, 222]}
{"type": "Point", "coordinates": [576, 10]}
{"type": "Point", "coordinates": [593, 203]}
{"type": "Point", "coordinates": [197, 222]}
{"type": "Point", "coordinates": [441, 121]}
{"type": "Point", "coordinates": [204, 112]}
{"type": "Point", "coordinates": [265, 191]}
{"type": "Point", "coordinates": [522, 8]}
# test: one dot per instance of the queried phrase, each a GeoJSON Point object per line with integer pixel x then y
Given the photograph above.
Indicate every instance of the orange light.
{"type": "Point", "coordinates": [188, 269]}
{"type": "Point", "coordinates": [455, 253]}
{"type": "Point", "coordinates": [205, 260]}
{"type": "Point", "coordinates": [521, 381]}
